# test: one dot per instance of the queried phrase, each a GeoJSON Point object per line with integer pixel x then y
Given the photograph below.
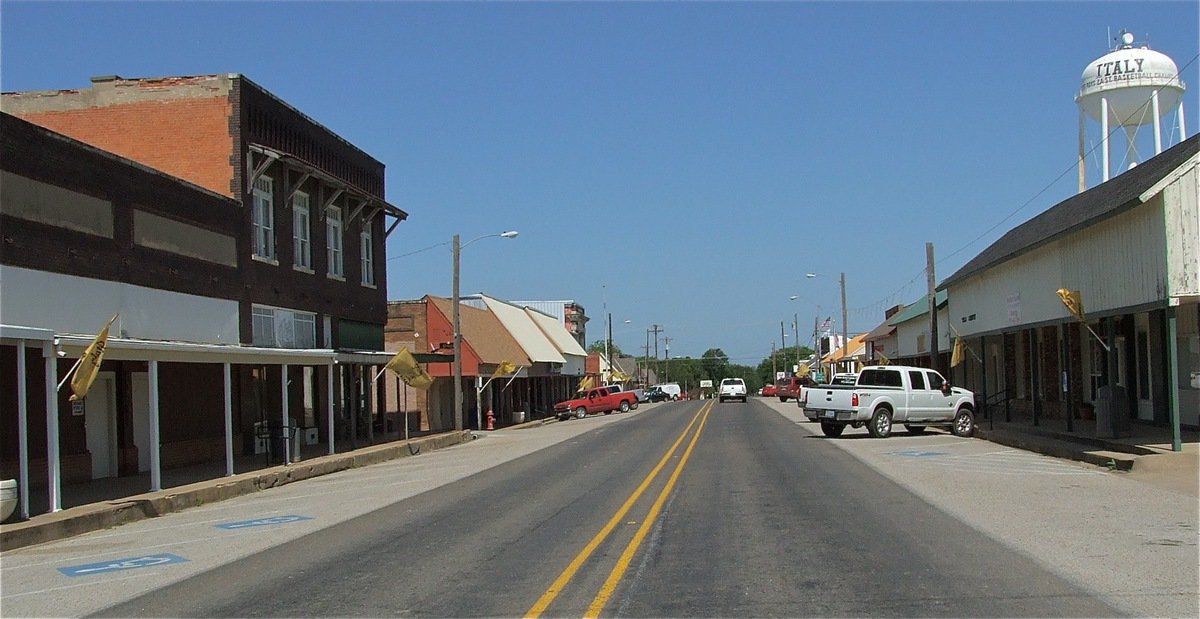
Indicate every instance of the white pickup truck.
{"type": "Point", "coordinates": [887, 394]}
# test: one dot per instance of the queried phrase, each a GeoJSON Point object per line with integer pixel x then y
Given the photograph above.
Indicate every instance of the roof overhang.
{"type": "Point", "coordinates": [364, 204]}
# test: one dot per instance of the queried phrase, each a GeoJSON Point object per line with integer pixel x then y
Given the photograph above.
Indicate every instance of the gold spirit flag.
{"type": "Point", "coordinates": [585, 384]}
{"type": "Point", "coordinates": [504, 369]}
{"type": "Point", "coordinates": [1074, 302]}
{"type": "Point", "coordinates": [409, 371]}
{"type": "Point", "coordinates": [956, 357]}
{"type": "Point", "coordinates": [89, 363]}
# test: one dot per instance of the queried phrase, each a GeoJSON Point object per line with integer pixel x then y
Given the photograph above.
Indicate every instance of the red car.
{"type": "Point", "coordinates": [770, 391]}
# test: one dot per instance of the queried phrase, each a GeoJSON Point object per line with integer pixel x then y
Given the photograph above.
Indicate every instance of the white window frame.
{"type": "Point", "coordinates": [334, 240]}
{"type": "Point", "coordinates": [367, 258]}
{"type": "Point", "coordinates": [276, 327]}
{"type": "Point", "coordinates": [301, 232]}
{"type": "Point", "coordinates": [264, 218]}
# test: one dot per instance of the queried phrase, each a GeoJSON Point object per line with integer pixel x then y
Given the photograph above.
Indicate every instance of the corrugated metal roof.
{"type": "Point", "coordinates": [918, 308]}
{"type": "Point", "coordinates": [520, 325]}
{"type": "Point", "coordinates": [485, 334]}
{"type": "Point", "coordinates": [1119, 194]}
{"type": "Point", "coordinates": [557, 334]}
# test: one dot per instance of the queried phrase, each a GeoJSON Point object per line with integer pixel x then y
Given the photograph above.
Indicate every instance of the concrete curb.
{"type": "Point", "coordinates": [86, 518]}
{"type": "Point", "coordinates": [1059, 449]}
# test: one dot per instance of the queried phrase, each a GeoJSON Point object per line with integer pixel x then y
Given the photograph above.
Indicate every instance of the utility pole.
{"type": "Point", "coordinates": [774, 367]}
{"type": "Point", "coordinates": [817, 343]}
{"type": "Point", "coordinates": [783, 346]}
{"type": "Point", "coordinates": [456, 247]}
{"type": "Point", "coordinates": [933, 326]}
{"type": "Point", "coordinates": [845, 320]}
{"type": "Point", "coordinates": [667, 358]}
{"type": "Point", "coordinates": [646, 360]}
{"type": "Point", "coordinates": [796, 328]}
{"type": "Point", "coordinates": [656, 329]}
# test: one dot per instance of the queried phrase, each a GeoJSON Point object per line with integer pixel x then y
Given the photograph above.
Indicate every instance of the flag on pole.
{"type": "Point", "coordinates": [1074, 302]}
{"type": "Point", "coordinates": [406, 367]}
{"type": "Point", "coordinates": [619, 377]}
{"type": "Point", "coordinates": [883, 359]}
{"type": "Point", "coordinates": [587, 383]}
{"type": "Point", "coordinates": [89, 364]}
{"type": "Point", "coordinates": [504, 369]}
{"type": "Point", "coordinates": [956, 357]}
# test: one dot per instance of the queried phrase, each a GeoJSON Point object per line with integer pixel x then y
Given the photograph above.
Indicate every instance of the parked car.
{"type": "Point", "coordinates": [658, 395]}
{"type": "Point", "coordinates": [593, 401]}
{"type": "Point", "coordinates": [769, 391]}
{"type": "Point", "coordinates": [732, 389]}
{"type": "Point", "coordinates": [789, 388]}
{"type": "Point", "coordinates": [887, 394]}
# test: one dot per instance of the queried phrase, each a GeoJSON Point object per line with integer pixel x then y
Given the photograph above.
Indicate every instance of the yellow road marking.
{"type": "Point", "coordinates": [559, 583]}
{"type": "Point", "coordinates": [618, 571]}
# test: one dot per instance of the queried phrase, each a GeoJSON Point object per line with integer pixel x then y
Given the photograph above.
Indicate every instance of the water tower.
{"type": "Point", "coordinates": [1128, 87]}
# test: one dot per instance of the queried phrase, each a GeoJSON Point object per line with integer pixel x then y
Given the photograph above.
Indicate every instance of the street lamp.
{"type": "Point", "coordinates": [457, 249]}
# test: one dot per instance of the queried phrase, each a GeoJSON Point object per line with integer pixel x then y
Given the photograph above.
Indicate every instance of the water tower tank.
{"type": "Point", "coordinates": [1128, 87]}
{"type": "Point", "coordinates": [1128, 77]}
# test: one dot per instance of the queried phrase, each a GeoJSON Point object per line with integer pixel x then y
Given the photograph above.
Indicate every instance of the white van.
{"type": "Point", "coordinates": [670, 388]}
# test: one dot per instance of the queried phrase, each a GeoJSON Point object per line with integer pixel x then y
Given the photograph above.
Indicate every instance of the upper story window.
{"type": "Point", "coordinates": [333, 234]}
{"type": "Point", "coordinates": [368, 257]}
{"type": "Point", "coordinates": [280, 328]}
{"type": "Point", "coordinates": [264, 218]}
{"type": "Point", "coordinates": [301, 232]}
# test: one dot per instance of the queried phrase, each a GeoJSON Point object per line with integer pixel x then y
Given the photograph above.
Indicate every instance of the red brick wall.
{"type": "Point", "coordinates": [187, 138]}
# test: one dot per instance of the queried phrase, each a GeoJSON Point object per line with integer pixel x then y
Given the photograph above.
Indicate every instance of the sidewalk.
{"type": "Point", "coordinates": [107, 503]}
{"type": "Point", "coordinates": [1146, 454]}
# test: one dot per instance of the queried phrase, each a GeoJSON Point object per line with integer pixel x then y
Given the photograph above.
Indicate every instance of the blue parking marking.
{"type": "Point", "coordinates": [132, 563]}
{"type": "Point", "coordinates": [915, 453]}
{"type": "Point", "coordinates": [261, 522]}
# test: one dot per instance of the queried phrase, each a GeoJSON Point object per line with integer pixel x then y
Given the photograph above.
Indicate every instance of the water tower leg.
{"type": "Point", "coordinates": [1182, 130]}
{"type": "Point", "coordinates": [1104, 138]}
{"type": "Point", "coordinates": [1157, 123]}
{"type": "Point", "coordinates": [1082, 159]}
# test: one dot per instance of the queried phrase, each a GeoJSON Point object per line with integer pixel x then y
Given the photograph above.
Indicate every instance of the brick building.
{"type": "Point", "coordinates": [227, 229]}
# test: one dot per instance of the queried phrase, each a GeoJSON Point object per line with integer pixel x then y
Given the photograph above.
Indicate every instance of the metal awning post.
{"type": "Point", "coordinates": [228, 420]}
{"type": "Point", "coordinates": [155, 439]}
{"type": "Point", "coordinates": [329, 407]}
{"type": "Point", "coordinates": [52, 459]}
{"type": "Point", "coordinates": [23, 433]}
{"type": "Point", "coordinates": [285, 429]}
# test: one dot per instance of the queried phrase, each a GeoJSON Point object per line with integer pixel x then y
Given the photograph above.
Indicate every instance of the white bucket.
{"type": "Point", "coordinates": [8, 498]}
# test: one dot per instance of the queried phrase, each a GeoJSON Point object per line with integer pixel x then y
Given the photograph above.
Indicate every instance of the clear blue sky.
{"type": "Point", "coordinates": [685, 164]}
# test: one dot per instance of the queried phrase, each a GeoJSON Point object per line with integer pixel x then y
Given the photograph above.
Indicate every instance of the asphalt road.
{"type": "Point", "coordinates": [683, 509]}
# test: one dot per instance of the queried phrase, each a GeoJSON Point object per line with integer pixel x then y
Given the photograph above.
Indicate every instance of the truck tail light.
{"type": "Point", "coordinates": [854, 400]}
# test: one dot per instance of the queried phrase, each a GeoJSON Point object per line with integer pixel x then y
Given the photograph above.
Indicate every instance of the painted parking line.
{"type": "Point", "coordinates": [131, 563]}
{"type": "Point", "coordinates": [261, 522]}
{"type": "Point", "coordinates": [1007, 462]}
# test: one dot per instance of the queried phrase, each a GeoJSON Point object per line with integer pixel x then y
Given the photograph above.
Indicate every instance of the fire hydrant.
{"type": "Point", "coordinates": [491, 418]}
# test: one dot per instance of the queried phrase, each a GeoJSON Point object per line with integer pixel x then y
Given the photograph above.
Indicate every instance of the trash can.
{"type": "Point", "coordinates": [518, 416]}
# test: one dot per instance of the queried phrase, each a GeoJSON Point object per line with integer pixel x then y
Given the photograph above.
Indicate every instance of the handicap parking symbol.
{"type": "Point", "coordinates": [132, 563]}
{"type": "Point", "coordinates": [261, 522]}
{"type": "Point", "coordinates": [916, 453]}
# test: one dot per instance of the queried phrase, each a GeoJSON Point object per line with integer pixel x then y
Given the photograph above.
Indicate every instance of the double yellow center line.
{"type": "Point", "coordinates": [618, 571]}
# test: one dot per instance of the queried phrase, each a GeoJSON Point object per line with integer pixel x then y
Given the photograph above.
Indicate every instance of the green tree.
{"type": "Point", "coordinates": [715, 364]}
{"type": "Point", "coordinates": [598, 346]}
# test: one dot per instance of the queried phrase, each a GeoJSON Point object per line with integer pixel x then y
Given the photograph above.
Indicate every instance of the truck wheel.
{"type": "Point", "coordinates": [782, 399]}
{"type": "Point", "coordinates": [624, 406]}
{"type": "Point", "coordinates": [964, 423]}
{"type": "Point", "coordinates": [580, 412]}
{"type": "Point", "coordinates": [832, 430]}
{"type": "Point", "coordinates": [881, 424]}
{"type": "Point", "coordinates": [914, 429]}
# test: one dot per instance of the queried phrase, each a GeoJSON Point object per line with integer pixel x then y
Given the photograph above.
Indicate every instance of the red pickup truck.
{"type": "Point", "coordinates": [596, 400]}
